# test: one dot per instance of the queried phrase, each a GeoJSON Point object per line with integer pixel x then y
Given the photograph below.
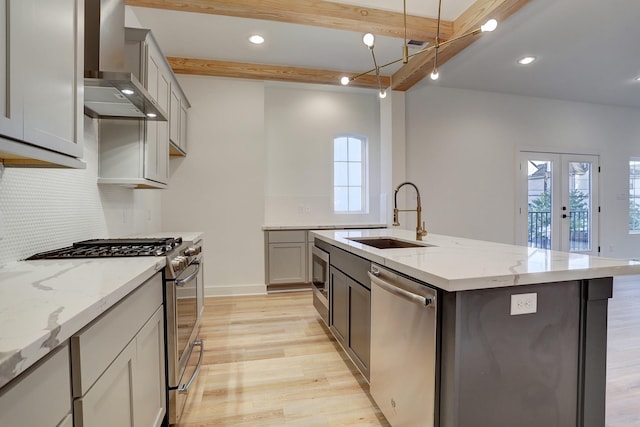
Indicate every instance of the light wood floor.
{"type": "Point", "coordinates": [269, 361]}
{"type": "Point", "coordinates": [623, 355]}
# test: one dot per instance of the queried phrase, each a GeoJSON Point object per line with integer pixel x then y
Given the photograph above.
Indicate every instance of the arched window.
{"type": "Point", "coordinates": [350, 174]}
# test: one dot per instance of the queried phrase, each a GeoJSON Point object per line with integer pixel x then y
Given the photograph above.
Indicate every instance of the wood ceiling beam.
{"type": "Point", "coordinates": [204, 67]}
{"type": "Point", "coordinates": [313, 12]}
{"type": "Point", "coordinates": [477, 14]}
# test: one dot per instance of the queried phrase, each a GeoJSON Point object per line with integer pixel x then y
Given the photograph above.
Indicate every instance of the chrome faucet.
{"type": "Point", "coordinates": [420, 230]}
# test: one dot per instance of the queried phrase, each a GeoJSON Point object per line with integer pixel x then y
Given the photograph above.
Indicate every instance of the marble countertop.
{"type": "Point", "coordinates": [458, 264]}
{"type": "Point", "coordinates": [43, 303]}
{"type": "Point", "coordinates": [320, 227]}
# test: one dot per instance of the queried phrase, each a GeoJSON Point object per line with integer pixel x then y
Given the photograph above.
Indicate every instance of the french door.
{"type": "Point", "coordinates": [558, 202]}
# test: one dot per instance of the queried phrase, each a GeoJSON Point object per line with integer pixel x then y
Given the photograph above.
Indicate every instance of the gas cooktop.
{"type": "Point", "coordinates": [99, 248]}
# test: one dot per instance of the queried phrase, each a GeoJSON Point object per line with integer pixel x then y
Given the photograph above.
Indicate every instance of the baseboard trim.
{"type": "Point", "coordinates": [234, 290]}
{"type": "Point", "coordinates": [288, 287]}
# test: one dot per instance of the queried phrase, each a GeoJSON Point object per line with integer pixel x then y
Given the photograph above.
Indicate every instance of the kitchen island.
{"type": "Point", "coordinates": [499, 362]}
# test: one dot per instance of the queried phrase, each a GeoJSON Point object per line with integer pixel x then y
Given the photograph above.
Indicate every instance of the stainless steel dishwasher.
{"type": "Point", "coordinates": [403, 348]}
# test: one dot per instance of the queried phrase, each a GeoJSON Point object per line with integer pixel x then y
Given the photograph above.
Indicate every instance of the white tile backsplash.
{"type": "Point", "coordinates": [43, 209]}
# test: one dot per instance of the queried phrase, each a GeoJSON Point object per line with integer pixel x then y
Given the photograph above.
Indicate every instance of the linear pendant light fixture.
{"type": "Point", "coordinates": [369, 41]}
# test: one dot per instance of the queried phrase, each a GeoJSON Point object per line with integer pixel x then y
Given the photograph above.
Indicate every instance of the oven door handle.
{"type": "Point", "coordinates": [182, 282]}
{"type": "Point", "coordinates": [185, 387]}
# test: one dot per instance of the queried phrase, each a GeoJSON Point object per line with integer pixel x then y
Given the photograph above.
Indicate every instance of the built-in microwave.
{"type": "Point", "coordinates": [320, 282]}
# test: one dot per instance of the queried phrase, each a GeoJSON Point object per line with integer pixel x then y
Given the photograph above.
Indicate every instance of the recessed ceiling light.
{"type": "Point", "coordinates": [526, 60]}
{"type": "Point", "coordinates": [151, 115]}
{"type": "Point", "coordinates": [256, 39]}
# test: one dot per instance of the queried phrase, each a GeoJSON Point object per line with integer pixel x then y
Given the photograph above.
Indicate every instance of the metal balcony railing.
{"type": "Point", "coordinates": [539, 235]}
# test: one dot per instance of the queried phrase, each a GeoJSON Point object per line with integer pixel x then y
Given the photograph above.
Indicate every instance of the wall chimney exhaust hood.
{"type": "Point", "coordinates": [110, 91]}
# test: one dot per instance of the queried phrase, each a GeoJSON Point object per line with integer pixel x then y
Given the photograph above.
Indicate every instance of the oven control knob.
{"type": "Point", "coordinates": [193, 250]}
{"type": "Point", "coordinates": [179, 263]}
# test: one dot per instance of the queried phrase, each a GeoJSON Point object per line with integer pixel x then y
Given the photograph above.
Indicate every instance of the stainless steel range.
{"type": "Point", "coordinates": [183, 266]}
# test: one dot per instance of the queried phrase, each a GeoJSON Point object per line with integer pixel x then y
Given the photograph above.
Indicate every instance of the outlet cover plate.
{"type": "Point", "coordinates": [524, 304]}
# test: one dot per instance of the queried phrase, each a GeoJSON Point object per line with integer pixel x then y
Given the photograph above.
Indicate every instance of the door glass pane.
{"type": "Point", "coordinates": [539, 189]}
{"type": "Point", "coordinates": [579, 206]}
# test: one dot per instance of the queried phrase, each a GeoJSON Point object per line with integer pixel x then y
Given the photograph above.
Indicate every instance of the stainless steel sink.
{"type": "Point", "coordinates": [387, 242]}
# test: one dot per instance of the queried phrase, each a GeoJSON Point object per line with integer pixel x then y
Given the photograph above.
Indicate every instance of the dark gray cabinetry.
{"type": "Point", "coordinates": [360, 324]}
{"type": "Point", "coordinates": [339, 306]}
{"type": "Point", "coordinates": [541, 369]}
{"type": "Point", "coordinates": [350, 306]}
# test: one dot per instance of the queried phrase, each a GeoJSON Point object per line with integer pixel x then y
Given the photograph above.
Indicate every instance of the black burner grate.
{"type": "Point", "coordinates": [102, 248]}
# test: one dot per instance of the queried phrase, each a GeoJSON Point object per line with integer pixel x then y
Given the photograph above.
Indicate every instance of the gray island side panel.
{"type": "Point", "coordinates": [530, 370]}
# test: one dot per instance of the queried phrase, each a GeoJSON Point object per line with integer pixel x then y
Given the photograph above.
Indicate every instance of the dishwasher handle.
{"type": "Point", "coordinates": [410, 296]}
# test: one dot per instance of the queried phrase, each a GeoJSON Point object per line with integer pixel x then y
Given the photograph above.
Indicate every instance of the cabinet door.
{"type": "Point", "coordinates": [287, 263]}
{"type": "Point", "coordinates": [152, 70]}
{"type": "Point", "coordinates": [110, 401]}
{"type": "Point", "coordinates": [174, 117]}
{"type": "Point", "coordinates": [149, 387]}
{"type": "Point", "coordinates": [10, 97]}
{"type": "Point", "coordinates": [53, 74]}
{"type": "Point", "coordinates": [40, 396]}
{"type": "Point", "coordinates": [360, 323]}
{"type": "Point", "coordinates": [162, 151]}
{"type": "Point", "coordinates": [339, 291]}
{"type": "Point", "coordinates": [183, 126]}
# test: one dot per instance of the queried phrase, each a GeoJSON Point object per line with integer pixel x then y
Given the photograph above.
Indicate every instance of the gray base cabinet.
{"type": "Point", "coordinates": [339, 302]}
{"type": "Point", "coordinates": [41, 396]}
{"type": "Point", "coordinates": [118, 363]}
{"type": "Point", "coordinates": [286, 257]}
{"type": "Point", "coordinates": [350, 306]}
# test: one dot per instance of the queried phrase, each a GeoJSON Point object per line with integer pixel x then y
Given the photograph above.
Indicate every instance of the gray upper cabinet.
{"type": "Point", "coordinates": [178, 120]}
{"type": "Point", "coordinates": [136, 152]}
{"type": "Point", "coordinates": [41, 82]}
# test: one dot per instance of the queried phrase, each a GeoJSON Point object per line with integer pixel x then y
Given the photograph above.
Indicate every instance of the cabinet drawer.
{"type": "Point", "coordinates": [96, 346]}
{"type": "Point", "coordinates": [288, 236]}
{"type": "Point", "coordinates": [110, 402]}
{"type": "Point", "coordinates": [352, 265]}
{"type": "Point", "coordinates": [41, 396]}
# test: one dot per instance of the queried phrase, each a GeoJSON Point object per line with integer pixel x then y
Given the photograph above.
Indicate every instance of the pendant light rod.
{"type": "Point", "coordinates": [490, 25]}
{"type": "Point", "coordinates": [426, 49]}
{"type": "Point", "coordinates": [405, 47]}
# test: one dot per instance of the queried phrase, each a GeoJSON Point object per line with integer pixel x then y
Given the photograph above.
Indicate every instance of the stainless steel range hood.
{"type": "Point", "coordinates": [111, 91]}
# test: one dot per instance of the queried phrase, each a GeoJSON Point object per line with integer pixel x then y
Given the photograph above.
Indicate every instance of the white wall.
{"type": "Point", "coordinates": [260, 154]}
{"type": "Point", "coordinates": [462, 147]}
{"type": "Point", "coordinates": [300, 124]}
{"type": "Point", "coordinates": [219, 187]}
{"type": "Point", "coordinates": [43, 209]}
